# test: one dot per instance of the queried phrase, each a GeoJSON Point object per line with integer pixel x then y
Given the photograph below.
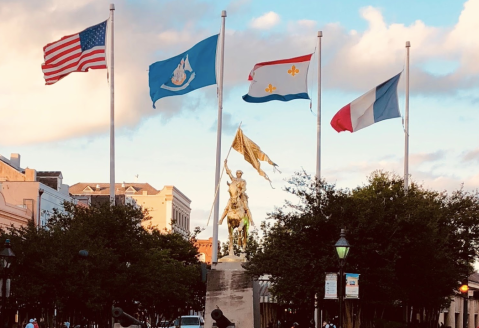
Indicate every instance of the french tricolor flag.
{"type": "Point", "coordinates": [379, 104]}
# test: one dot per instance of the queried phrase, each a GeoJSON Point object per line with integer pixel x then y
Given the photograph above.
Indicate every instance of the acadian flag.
{"type": "Point", "coordinates": [379, 104]}
{"type": "Point", "coordinates": [283, 80]}
{"type": "Point", "coordinates": [251, 152]}
{"type": "Point", "coordinates": [191, 70]}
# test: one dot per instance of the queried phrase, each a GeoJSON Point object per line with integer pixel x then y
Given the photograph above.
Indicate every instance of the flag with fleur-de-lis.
{"type": "Point", "coordinates": [283, 80]}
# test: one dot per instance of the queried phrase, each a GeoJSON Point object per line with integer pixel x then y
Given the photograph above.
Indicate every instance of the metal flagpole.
{"type": "Point", "coordinates": [406, 124]}
{"type": "Point", "coordinates": [218, 138]}
{"type": "Point", "coordinates": [112, 111]}
{"type": "Point", "coordinates": [221, 175]}
{"type": "Point", "coordinates": [318, 148]}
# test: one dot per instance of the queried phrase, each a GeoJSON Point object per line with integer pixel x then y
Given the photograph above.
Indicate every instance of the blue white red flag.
{"type": "Point", "coordinates": [378, 104]}
{"type": "Point", "coordinates": [282, 80]}
{"type": "Point", "coordinates": [75, 53]}
{"type": "Point", "coordinates": [191, 70]}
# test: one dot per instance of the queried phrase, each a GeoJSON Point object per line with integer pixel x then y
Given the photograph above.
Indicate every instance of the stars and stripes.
{"type": "Point", "coordinates": [75, 53]}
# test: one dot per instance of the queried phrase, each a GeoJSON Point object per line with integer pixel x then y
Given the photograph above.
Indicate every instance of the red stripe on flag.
{"type": "Point", "coordinates": [63, 38]}
{"type": "Point", "coordinates": [59, 47]}
{"type": "Point", "coordinates": [51, 61]}
{"type": "Point", "coordinates": [60, 63]}
{"type": "Point", "coordinates": [342, 120]}
{"type": "Point", "coordinates": [62, 69]}
{"type": "Point", "coordinates": [92, 60]}
{"type": "Point", "coordinates": [281, 61]}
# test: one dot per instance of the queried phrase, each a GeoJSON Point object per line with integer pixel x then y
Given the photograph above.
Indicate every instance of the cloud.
{"type": "Point", "coordinates": [266, 21]}
{"type": "Point", "coordinates": [445, 182]}
{"type": "Point", "coordinates": [228, 125]}
{"type": "Point", "coordinates": [372, 56]}
{"type": "Point", "coordinates": [419, 158]}
{"type": "Point", "coordinates": [471, 156]}
{"type": "Point", "coordinates": [438, 177]}
{"type": "Point", "coordinates": [79, 105]}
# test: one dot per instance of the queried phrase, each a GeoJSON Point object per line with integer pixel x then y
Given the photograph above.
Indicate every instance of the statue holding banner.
{"type": "Point", "coordinates": [237, 210]}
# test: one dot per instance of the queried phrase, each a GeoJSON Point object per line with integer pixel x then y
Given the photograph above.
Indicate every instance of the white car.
{"type": "Point", "coordinates": [166, 324]}
{"type": "Point", "coordinates": [190, 321]}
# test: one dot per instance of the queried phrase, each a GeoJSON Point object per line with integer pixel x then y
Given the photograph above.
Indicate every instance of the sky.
{"type": "Point", "coordinates": [65, 127]}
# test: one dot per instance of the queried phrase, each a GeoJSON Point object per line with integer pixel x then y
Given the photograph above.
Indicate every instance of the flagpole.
{"type": "Point", "coordinates": [214, 256]}
{"type": "Point", "coordinates": [318, 148]}
{"type": "Point", "coordinates": [112, 111]}
{"type": "Point", "coordinates": [221, 176]}
{"type": "Point", "coordinates": [406, 127]}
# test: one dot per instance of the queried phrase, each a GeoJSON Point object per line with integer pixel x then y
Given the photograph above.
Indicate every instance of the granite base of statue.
{"type": "Point", "coordinates": [232, 291]}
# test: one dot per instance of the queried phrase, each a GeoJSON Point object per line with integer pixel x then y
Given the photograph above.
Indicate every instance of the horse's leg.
{"type": "Point", "coordinates": [244, 234]}
{"type": "Point", "coordinates": [240, 228]}
{"type": "Point", "coordinates": [230, 231]}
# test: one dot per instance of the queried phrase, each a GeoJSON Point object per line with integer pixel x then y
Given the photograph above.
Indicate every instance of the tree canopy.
{"type": "Point", "coordinates": [410, 248]}
{"type": "Point", "coordinates": [125, 265]}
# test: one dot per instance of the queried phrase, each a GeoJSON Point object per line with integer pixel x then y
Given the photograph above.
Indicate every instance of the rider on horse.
{"type": "Point", "coordinates": [241, 186]}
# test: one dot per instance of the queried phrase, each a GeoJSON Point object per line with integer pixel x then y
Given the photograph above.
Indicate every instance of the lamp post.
{"type": "Point", "coordinates": [342, 248]}
{"type": "Point", "coordinates": [6, 257]}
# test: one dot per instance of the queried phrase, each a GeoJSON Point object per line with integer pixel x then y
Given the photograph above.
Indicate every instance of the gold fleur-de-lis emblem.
{"type": "Point", "coordinates": [270, 88]}
{"type": "Point", "coordinates": [293, 71]}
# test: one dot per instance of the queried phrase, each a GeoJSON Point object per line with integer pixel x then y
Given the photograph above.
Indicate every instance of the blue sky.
{"type": "Point", "coordinates": [65, 126]}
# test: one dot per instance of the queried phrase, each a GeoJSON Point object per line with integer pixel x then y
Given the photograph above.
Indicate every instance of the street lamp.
{"type": "Point", "coordinates": [6, 258]}
{"type": "Point", "coordinates": [342, 248]}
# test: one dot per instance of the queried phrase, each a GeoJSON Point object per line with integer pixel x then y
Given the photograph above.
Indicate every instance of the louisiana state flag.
{"type": "Point", "coordinates": [283, 80]}
{"type": "Point", "coordinates": [191, 70]}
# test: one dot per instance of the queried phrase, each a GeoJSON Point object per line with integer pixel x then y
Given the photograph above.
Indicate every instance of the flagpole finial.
{"type": "Point", "coordinates": [320, 34]}
{"type": "Point", "coordinates": [408, 44]}
{"type": "Point", "coordinates": [223, 13]}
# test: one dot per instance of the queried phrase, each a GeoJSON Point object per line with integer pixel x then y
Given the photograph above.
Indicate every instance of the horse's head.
{"type": "Point", "coordinates": [234, 193]}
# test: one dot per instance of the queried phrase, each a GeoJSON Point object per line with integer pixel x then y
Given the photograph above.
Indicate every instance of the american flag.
{"type": "Point", "coordinates": [75, 53]}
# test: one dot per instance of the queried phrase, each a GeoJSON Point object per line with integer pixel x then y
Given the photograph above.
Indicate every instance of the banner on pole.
{"type": "Point", "coordinates": [352, 285]}
{"type": "Point", "coordinates": [331, 286]}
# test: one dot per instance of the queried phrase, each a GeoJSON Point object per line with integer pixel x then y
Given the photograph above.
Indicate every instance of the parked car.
{"type": "Point", "coordinates": [166, 324]}
{"type": "Point", "coordinates": [190, 321]}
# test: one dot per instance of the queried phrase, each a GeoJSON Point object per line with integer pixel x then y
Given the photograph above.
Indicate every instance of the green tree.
{"type": "Point", "coordinates": [251, 245]}
{"type": "Point", "coordinates": [126, 266]}
{"type": "Point", "coordinates": [400, 241]}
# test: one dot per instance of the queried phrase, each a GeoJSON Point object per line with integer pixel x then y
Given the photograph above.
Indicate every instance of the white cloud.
{"type": "Point", "coordinates": [471, 156]}
{"type": "Point", "coordinates": [79, 104]}
{"type": "Point", "coordinates": [266, 21]}
{"type": "Point", "coordinates": [419, 158]}
{"type": "Point", "coordinates": [370, 57]}
{"type": "Point", "coordinates": [307, 23]}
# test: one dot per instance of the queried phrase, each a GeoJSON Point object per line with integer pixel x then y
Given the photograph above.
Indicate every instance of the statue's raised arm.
{"type": "Point", "coordinates": [228, 171]}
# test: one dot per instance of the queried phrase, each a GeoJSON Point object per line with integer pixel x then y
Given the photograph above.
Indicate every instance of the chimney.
{"type": "Point", "coordinates": [15, 159]}
{"type": "Point", "coordinates": [30, 174]}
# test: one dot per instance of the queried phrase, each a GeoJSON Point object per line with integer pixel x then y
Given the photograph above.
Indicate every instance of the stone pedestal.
{"type": "Point", "coordinates": [231, 290]}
